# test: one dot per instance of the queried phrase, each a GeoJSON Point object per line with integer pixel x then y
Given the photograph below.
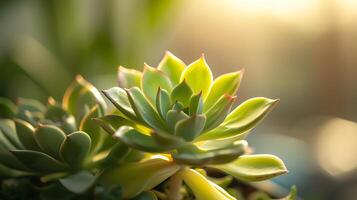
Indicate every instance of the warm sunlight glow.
{"type": "Point", "coordinates": [336, 147]}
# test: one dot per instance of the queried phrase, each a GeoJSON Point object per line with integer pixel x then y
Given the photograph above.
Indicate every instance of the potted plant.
{"type": "Point", "coordinates": [172, 135]}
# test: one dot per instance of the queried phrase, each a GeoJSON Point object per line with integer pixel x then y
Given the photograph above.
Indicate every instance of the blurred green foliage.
{"type": "Point", "coordinates": [44, 44]}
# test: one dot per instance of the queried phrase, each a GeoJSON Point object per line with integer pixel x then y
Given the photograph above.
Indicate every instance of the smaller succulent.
{"type": "Point", "coordinates": [183, 118]}
{"type": "Point", "coordinates": [57, 141]}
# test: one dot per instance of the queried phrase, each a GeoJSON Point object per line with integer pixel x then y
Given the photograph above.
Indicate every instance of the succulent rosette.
{"type": "Point", "coordinates": [57, 141]}
{"type": "Point", "coordinates": [187, 120]}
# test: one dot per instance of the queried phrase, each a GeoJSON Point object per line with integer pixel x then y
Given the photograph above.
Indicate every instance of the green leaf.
{"type": "Point", "coordinates": [292, 195]}
{"type": "Point", "coordinates": [128, 78]}
{"type": "Point", "coordinates": [8, 129]}
{"type": "Point", "coordinates": [7, 158]}
{"type": "Point", "coordinates": [198, 76]}
{"type": "Point", "coordinates": [173, 117]}
{"type": "Point", "coordinates": [120, 100]}
{"type": "Point", "coordinates": [146, 196]}
{"type": "Point", "coordinates": [117, 153]}
{"type": "Point", "coordinates": [226, 84]}
{"type": "Point", "coordinates": [7, 108]}
{"type": "Point", "coordinates": [163, 102]}
{"type": "Point", "coordinates": [196, 104]}
{"type": "Point", "coordinates": [138, 140]}
{"type": "Point", "coordinates": [75, 148]}
{"type": "Point", "coordinates": [181, 93]}
{"type": "Point", "coordinates": [57, 116]}
{"type": "Point", "coordinates": [172, 66]}
{"type": "Point", "coordinates": [218, 112]}
{"type": "Point", "coordinates": [143, 109]}
{"type": "Point", "coordinates": [111, 123]}
{"type": "Point", "coordinates": [39, 161]}
{"type": "Point", "coordinates": [254, 167]}
{"type": "Point", "coordinates": [50, 138]}
{"type": "Point", "coordinates": [25, 133]}
{"type": "Point", "coordinates": [197, 155]}
{"type": "Point", "coordinates": [190, 128]}
{"type": "Point", "coordinates": [30, 105]}
{"type": "Point", "coordinates": [167, 139]}
{"type": "Point", "coordinates": [81, 94]}
{"type": "Point", "coordinates": [137, 177]}
{"type": "Point", "coordinates": [202, 188]}
{"type": "Point", "coordinates": [88, 126]}
{"type": "Point", "coordinates": [242, 119]}
{"type": "Point", "coordinates": [152, 80]}
{"type": "Point", "coordinates": [79, 182]}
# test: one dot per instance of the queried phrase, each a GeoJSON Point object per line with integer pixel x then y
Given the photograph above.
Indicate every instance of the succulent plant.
{"type": "Point", "coordinates": [183, 117]}
{"type": "Point", "coordinates": [171, 127]}
{"type": "Point", "coordinates": [54, 141]}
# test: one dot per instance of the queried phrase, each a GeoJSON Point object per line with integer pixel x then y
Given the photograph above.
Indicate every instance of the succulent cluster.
{"type": "Point", "coordinates": [172, 124]}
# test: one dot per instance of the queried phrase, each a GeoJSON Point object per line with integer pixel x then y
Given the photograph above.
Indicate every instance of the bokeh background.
{"type": "Point", "coordinates": [301, 51]}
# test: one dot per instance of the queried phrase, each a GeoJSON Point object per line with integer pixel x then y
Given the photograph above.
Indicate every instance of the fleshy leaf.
{"type": "Point", "coordinates": [128, 78]}
{"type": "Point", "coordinates": [197, 155]}
{"type": "Point", "coordinates": [25, 133]}
{"type": "Point", "coordinates": [202, 188]}
{"type": "Point", "coordinates": [56, 115]}
{"type": "Point", "coordinates": [88, 126]}
{"type": "Point", "coordinates": [292, 195]}
{"type": "Point", "coordinates": [38, 161]}
{"type": "Point", "coordinates": [111, 123]}
{"type": "Point", "coordinates": [7, 127]}
{"type": "Point", "coordinates": [120, 100]}
{"type": "Point", "coordinates": [138, 140]}
{"type": "Point", "coordinates": [242, 119]}
{"type": "Point", "coordinates": [50, 138]}
{"type": "Point", "coordinates": [143, 109]}
{"type": "Point", "coordinates": [75, 148]}
{"type": "Point", "coordinates": [167, 139]}
{"type": "Point", "coordinates": [254, 167]}
{"type": "Point", "coordinates": [117, 153]}
{"type": "Point", "coordinates": [7, 108]}
{"type": "Point", "coordinates": [218, 112]}
{"type": "Point", "coordinates": [81, 94]}
{"type": "Point", "coordinates": [188, 129]}
{"type": "Point", "coordinates": [137, 177]}
{"type": "Point", "coordinates": [152, 80]}
{"type": "Point", "coordinates": [181, 93]}
{"type": "Point", "coordinates": [173, 117]}
{"type": "Point", "coordinates": [196, 104]}
{"type": "Point", "coordinates": [172, 66]}
{"type": "Point", "coordinates": [7, 158]}
{"type": "Point", "coordinates": [198, 76]}
{"type": "Point", "coordinates": [163, 102]}
{"type": "Point", "coordinates": [79, 182]}
{"type": "Point", "coordinates": [226, 84]}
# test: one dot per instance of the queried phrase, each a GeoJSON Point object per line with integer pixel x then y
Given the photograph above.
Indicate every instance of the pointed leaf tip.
{"type": "Point", "coordinates": [198, 76]}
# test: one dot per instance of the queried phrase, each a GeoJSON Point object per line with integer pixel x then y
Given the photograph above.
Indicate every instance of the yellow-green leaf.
{"type": "Point", "coordinates": [128, 78]}
{"type": "Point", "coordinates": [91, 128]}
{"type": "Point", "coordinates": [198, 76]}
{"type": "Point", "coordinates": [163, 102]}
{"type": "Point", "coordinates": [137, 177]}
{"type": "Point", "coordinates": [172, 66]}
{"type": "Point", "coordinates": [152, 80]}
{"type": "Point", "coordinates": [79, 94]}
{"type": "Point", "coordinates": [120, 100]}
{"type": "Point", "coordinates": [254, 167]}
{"type": "Point", "coordinates": [242, 119]}
{"type": "Point", "coordinates": [226, 84]}
{"type": "Point", "coordinates": [202, 188]}
{"type": "Point", "coordinates": [218, 112]}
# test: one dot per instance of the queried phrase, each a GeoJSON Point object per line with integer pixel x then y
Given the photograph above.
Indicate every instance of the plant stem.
{"type": "Point", "coordinates": [175, 186]}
